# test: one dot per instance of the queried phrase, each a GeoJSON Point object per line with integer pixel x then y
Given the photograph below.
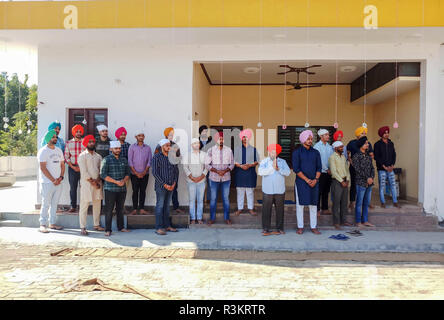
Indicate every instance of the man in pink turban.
{"type": "Point", "coordinates": [307, 165]}
{"type": "Point", "coordinates": [246, 159]}
{"type": "Point", "coordinates": [121, 136]}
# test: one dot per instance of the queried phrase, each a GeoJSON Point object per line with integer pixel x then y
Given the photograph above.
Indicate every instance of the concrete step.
{"type": "Point", "coordinates": [149, 221]}
{"type": "Point", "coordinates": [10, 223]}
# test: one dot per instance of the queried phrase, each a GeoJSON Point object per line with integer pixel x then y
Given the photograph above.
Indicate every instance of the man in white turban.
{"type": "Point", "coordinates": [326, 151]}
{"type": "Point", "coordinates": [102, 143]}
{"type": "Point", "coordinates": [339, 186]}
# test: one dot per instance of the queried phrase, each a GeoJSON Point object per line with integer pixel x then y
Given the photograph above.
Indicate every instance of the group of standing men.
{"type": "Point", "coordinates": [103, 168]}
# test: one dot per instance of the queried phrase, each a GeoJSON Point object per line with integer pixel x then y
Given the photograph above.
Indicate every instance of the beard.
{"type": "Point", "coordinates": [91, 148]}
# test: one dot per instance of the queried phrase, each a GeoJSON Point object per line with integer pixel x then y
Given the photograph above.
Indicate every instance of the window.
{"type": "Point", "coordinates": [93, 118]}
{"type": "Point", "coordinates": [289, 139]}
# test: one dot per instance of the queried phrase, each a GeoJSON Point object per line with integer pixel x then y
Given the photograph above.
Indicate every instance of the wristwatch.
{"type": "Point", "coordinates": [62, 177]}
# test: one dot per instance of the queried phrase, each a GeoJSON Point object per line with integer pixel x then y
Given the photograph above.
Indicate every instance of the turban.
{"type": "Point", "coordinates": [54, 125]}
{"type": "Point", "coordinates": [336, 135]}
{"type": "Point", "coordinates": [247, 133]}
{"type": "Point", "coordinates": [76, 128]}
{"type": "Point", "coordinates": [120, 131]}
{"type": "Point", "coordinates": [361, 142]}
{"type": "Point", "coordinates": [218, 135]}
{"type": "Point", "coordinates": [321, 132]}
{"type": "Point", "coordinates": [360, 131]}
{"type": "Point", "coordinates": [164, 141]}
{"type": "Point", "coordinates": [49, 135]}
{"type": "Point", "coordinates": [114, 144]}
{"type": "Point", "coordinates": [304, 135]}
{"type": "Point", "coordinates": [86, 140]}
{"type": "Point", "coordinates": [101, 127]}
{"type": "Point", "coordinates": [202, 128]}
{"type": "Point", "coordinates": [337, 144]}
{"type": "Point", "coordinates": [167, 131]}
{"type": "Point", "coordinates": [382, 130]}
{"type": "Point", "coordinates": [195, 140]}
{"type": "Point", "coordinates": [276, 147]}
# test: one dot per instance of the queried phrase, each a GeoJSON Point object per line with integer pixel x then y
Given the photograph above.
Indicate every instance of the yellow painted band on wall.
{"type": "Point", "coordinates": [220, 13]}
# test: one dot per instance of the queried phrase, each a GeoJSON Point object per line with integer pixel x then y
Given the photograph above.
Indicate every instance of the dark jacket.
{"type": "Point", "coordinates": [385, 154]}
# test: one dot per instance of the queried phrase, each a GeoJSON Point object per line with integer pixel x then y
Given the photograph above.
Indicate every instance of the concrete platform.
{"type": "Point", "coordinates": [233, 239]}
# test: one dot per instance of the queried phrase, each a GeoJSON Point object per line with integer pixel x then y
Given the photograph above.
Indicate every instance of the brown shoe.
{"type": "Point", "coordinates": [72, 210]}
{"type": "Point", "coordinates": [55, 227]}
{"type": "Point", "coordinates": [160, 232]}
{"type": "Point", "coordinates": [397, 205]}
{"type": "Point", "coordinates": [266, 233]}
{"type": "Point", "coordinates": [368, 224]}
{"type": "Point", "coordinates": [237, 213]}
{"type": "Point", "coordinates": [210, 222]}
{"type": "Point", "coordinates": [228, 222]}
{"type": "Point", "coordinates": [253, 213]}
{"type": "Point", "coordinates": [171, 229]}
{"type": "Point", "coordinates": [275, 233]}
{"type": "Point", "coordinates": [300, 231]}
{"type": "Point", "coordinates": [315, 231]}
{"type": "Point", "coordinates": [99, 228]}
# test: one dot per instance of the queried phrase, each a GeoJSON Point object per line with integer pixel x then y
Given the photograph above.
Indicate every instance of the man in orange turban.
{"type": "Point", "coordinates": [273, 171]}
{"type": "Point", "coordinates": [73, 148]}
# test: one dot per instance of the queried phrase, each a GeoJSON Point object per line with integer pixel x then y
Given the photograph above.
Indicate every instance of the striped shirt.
{"type": "Point", "coordinates": [73, 149]}
{"type": "Point", "coordinates": [164, 171]}
{"type": "Point", "coordinates": [114, 168]}
{"type": "Point", "coordinates": [219, 160]}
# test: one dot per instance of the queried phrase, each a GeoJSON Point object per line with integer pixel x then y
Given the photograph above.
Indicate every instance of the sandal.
{"type": "Point", "coordinates": [199, 221]}
{"type": "Point", "coordinates": [43, 229]}
{"type": "Point", "coordinates": [83, 232]}
{"type": "Point", "coordinates": [99, 228]}
{"type": "Point", "coordinates": [171, 229]}
{"type": "Point", "coordinates": [266, 233]}
{"type": "Point", "coordinates": [160, 232]}
{"type": "Point", "coordinates": [300, 231]}
{"type": "Point", "coordinates": [55, 227]}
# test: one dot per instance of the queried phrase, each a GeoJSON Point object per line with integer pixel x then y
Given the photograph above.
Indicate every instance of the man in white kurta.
{"type": "Point", "coordinates": [90, 184]}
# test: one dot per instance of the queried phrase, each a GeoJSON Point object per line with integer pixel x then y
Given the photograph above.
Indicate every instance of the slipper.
{"type": "Point", "coordinates": [340, 236]}
{"type": "Point", "coordinates": [56, 227]}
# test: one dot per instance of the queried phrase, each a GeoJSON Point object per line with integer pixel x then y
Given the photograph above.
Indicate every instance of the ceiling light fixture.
{"type": "Point", "coordinates": [251, 70]}
{"type": "Point", "coordinates": [347, 68]}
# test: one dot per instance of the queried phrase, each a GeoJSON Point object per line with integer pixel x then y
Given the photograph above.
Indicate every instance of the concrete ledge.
{"type": "Point", "coordinates": [233, 239]}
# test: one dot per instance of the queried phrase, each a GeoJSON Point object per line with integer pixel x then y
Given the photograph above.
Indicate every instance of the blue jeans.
{"type": "Point", "coordinates": [225, 187]}
{"type": "Point", "coordinates": [363, 198]}
{"type": "Point", "coordinates": [196, 191]}
{"type": "Point", "coordinates": [163, 199]}
{"type": "Point", "coordinates": [382, 176]}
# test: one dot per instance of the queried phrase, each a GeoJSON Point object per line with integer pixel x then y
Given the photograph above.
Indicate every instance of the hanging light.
{"type": "Point", "coordinates": [29, 123]}
{"type": "Point", "coordinates": [284, 126]}
{"type": "Point", "coordinates": [5, 126]}
{"type": "Point", "coordinates": [307, 125]}
{"type": "Point", "coordinates": [84, 122]}
{"type": "Point", "coordinates": [335, 125]}
{"type": "Point", "coordinates": [259, 124]}
{"type": "Point", "coordinates": [364, 125]}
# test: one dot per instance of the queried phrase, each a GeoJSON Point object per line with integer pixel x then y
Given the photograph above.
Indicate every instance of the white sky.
{"type": "Point", "coordinates": [19, 59]}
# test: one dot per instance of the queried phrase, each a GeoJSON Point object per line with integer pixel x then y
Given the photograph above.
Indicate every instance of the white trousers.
{"type": "Point", "coordinates": [83, 212]}
{"type": "Point", "coordinates": [300, 212]}
{"type": "Point", "coordinates": [241, 196]}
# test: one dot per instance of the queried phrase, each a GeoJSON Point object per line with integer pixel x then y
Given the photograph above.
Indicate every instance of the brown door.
{"type": "Point", "coordinates": [93, 118]}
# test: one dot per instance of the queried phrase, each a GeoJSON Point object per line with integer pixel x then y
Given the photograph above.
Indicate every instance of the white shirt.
{"type": "Point", "coordinates": [273, 182]}
{"type": "Point", "coordinates": [196, 165]}
{"type": "Point", "coordinates": [53, 158]}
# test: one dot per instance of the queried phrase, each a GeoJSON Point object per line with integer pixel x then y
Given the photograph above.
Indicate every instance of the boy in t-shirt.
{"type": "Point", "coordinates": [52, 170]}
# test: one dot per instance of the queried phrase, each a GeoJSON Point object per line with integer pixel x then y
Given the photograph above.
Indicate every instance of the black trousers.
{"type": "Point", "coordinates": [139, 191]}
{"type": "Point", "coordinates": [112, 199]}
{"type": "Point", "coordinates": [340, 201]}
{"type": "Point", "coordinates": [352, 184]}
{"type": "Point", "coordinates": [324, 189]}
{"type": "Point", "coordinates": [74, 179]}
{"type": "Point", "coordinates": [268, 200]}
{"type": "Point", "coordinates": [175, 197]}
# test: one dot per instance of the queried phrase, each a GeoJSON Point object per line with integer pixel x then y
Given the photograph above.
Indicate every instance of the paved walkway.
{"type": "Point", "coordinates": [235, 239]}
{"type": "Point", "coordinates": [29, 272]}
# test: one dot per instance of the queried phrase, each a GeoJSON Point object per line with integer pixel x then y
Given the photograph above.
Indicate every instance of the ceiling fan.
{"type": "Point", "coordinates": [297, 85]}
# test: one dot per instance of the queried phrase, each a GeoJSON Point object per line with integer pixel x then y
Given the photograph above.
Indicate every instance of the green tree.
{"type": "Point", "coordinates": [17, 140]}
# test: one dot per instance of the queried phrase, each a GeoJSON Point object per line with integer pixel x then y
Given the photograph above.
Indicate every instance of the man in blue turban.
{"type": "Point", "coordinates": [60, 142]}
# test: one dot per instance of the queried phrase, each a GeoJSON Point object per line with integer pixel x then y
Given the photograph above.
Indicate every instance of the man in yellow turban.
{"type": "Point", "coordinates": [352, 149]}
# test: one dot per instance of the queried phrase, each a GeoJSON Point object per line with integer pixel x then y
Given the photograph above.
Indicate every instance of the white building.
{"type": "Point", "coordinates": [145, 70]}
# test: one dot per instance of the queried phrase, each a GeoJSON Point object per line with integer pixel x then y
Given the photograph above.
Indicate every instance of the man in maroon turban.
{"type": "Point", "coordinates": [385, 156]}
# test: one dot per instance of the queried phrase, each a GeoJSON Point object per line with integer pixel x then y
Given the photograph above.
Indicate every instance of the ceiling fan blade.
{"type": "Point", "coordinates": [281, 73]}
{"type": "Point", "coordinates": [312, 86]}
{"type": "Point", "coordinates": [315, 65]}
{"type": "Point", "coordinates": [285, 66]}
{"type": "Point", "coordinates": [310, 72]}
